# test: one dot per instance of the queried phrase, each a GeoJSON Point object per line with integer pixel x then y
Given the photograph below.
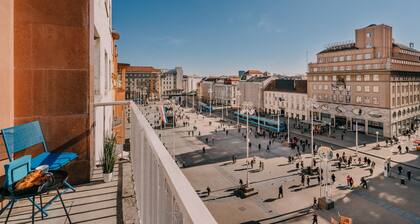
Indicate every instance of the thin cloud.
{"type": "Point", "coordinates": [266, 24]}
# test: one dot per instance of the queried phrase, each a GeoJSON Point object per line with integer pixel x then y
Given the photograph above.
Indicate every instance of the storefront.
{"type": "Point", "coordinates": [340, 121]}
{"type": "Point", "coordinates": [326, 118]}
{"type": "Point", "coordinates": [360, 125]}
{"type": "Point", "coordinates": [374, 127]}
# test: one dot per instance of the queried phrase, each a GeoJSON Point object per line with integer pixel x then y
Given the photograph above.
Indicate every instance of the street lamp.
{"type": "Point", "coordinates": [238, 95]}
{"type": "Point", "coordinates": [281, 99]}
{"type": "Point", "coordinates": [210, 93]}
{"type": "Point", "coordinates": [171, 103]}
{"type": "Point", "coordinates": [310, 104]}
{"type": "Point", "coordinates": [377, 139]}
{"type": "Point", "coordinates": [357, 138]}
{"type": "Point", "coordinates": [248, 109]}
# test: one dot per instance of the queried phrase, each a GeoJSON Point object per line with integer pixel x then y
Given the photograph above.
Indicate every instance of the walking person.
{"type": "Point", "coordinates": [208, 191]}
{"type": "Point", "coordinates": [333, 178]}
{"type": "Point", "coordinates": [406, 149]}
{"type": "Point", "coordinates": [302, 180]}
{"type": "Point", "coordinates": [280, 192]}
{"type": "Point", "coordinates": [314, 218]}
{"type": "Point", "coordinates": [308, 180]}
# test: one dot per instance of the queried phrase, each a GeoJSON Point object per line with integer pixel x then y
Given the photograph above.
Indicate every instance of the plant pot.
{"type": "Point", "coordinates": [107, 177]}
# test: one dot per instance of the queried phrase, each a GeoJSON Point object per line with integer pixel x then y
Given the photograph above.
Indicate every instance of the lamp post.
{"type": "Point", "coordinates": [357, 138]}
{"type": "Point", "coordinates": [226, 97]}
{"type": "Point", "coordinates": [377, 138]}
{"type": "Point", "coordinates": [171, 103]}
{"type": "Point", "coordinates": [329, 129]}
{"type": "Point", "coordinates": [210, 93]}
{"type": "Point", "coordinates": [238, 95]}
{"type": "Point", "coordinates": [310, 104]}
{"type": "Point", "coordinates": [248, 109]}
{"type": "Point", "coordinates": [258, 111]}
{"type": "Point", "coordinates": [281, 99]}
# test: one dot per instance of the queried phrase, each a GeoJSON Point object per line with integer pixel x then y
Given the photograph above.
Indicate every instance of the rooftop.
{"type": "Point", "coordinates": [146, 69]}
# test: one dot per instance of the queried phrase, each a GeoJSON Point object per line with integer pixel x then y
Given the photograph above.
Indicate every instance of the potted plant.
{"type": "Point", "coordinates": [108, 157]}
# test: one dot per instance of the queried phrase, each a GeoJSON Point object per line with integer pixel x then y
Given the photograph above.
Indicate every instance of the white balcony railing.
{"type": "Point", "coordinates": [163, 193]}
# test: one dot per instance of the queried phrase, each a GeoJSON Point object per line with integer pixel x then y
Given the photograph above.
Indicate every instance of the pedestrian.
{"type": "Point", "coordinates": [260, 166]}
{"type": "Point", "coordinates": [363, 182]}
{"type": "Point", "coordinates": [308, 180]}
{"type": "Point", "coordinates": [399, 149]}
{"type": "Point", "coordinates": [204, 149]}
{"type": "Point", "coordinates": [337, 155]}
{"type": "Point", "coordinates": [233, 158]}
{"type": "Point", "coordinates": [302, 179]}
{"type": "Point", "coordinates": [268, 148]}
{"type": "Point", "coordinates": [208, 191]}
{"type": "Point", "coordinates": [400, 170]}
{"type": "Point", "coordinates": [301, 164]}
{"type": "Point", "coordinates": [280, 192]}
{"type": "Point", "coordinates": [315, 205]}
{"type": "Point", "coordinates": [314, 218]}
{"type": "Point", "coordinates": [409, 175]}
{"type": "Point", "coordinates": [297, 165]}
{"type": "Point", "coordinates": [252, 164]}
{"type": "Point", "coordinates": [207, 140]}
{"type": "Point", "coordinates": [371, 171]}
{"type": "Point", "coordinates": [212, 140]}
{"type": "Point", "coordinates": [406, 149]}
{"type": "Point", "coordinates": [241, 182]}
{"type": "Point", "coordinates": [342, 137]}
{"type": "Point", "coordinates": [360, 160]}
{"type": "Point", "coordinates": [333, 178]}
{"type": "Point", "coordinates": [319, 179]}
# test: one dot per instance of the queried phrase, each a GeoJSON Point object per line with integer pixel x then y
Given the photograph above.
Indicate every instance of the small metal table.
{"type": "Point", "coordinates": [59, 177]}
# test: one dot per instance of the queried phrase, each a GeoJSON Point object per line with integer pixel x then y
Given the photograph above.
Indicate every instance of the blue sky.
{"type": "Point", "coordinates": [224, 36]}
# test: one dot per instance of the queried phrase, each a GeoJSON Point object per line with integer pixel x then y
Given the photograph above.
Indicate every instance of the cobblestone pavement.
{"type": "Point", "coordinates": [385, 200]}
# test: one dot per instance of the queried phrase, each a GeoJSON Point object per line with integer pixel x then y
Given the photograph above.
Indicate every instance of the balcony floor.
{"type": "Point", "coordinates": [91, 203]}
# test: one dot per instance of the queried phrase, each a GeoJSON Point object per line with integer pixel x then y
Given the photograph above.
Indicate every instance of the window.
{"type": "Point", "coordinates": [359, 57]}
{"type": "Point", "coordinates": [348, 58]}
{"type": "Point", "coordinates": [315, 69]}
{"type": "Point", "coordinates": [325, 87]}
{"type": "Point", "coordinates": [341, 58]}
{"type": "Point", "coordinates": [341, 68]}
{"type": "Point", "coordinates": [367, 100]}
{"type": "Point", "coordinates": [375, 77]}
{"type": "Point", "coordinates": [367, 66]}
{"type": "Point", "coordinates": [368, 34]}
{"type": "Point", "coordinates": [335, 59]}
{"type": "Point", "coordinates": [325, 78]}
{"type": "Point", "coordinates": [376, 89]}
{"type": "Point", "coordinates": [366, 77]}
{"type": "Point", "coordinates": [348, 78]}
{"type": "Point", "coordinates": [358, 78]}
{"type": "Point", "coordinates": [348, 67]}
{"type": "Point", "coordinates": [348, 88]}
{"type": "Point", "coordinates": [335, 68]}
{"type": "Point", "coordinates": [367, 89]}
{"type": "Point", "coordinates": [314, 87]}
{"type": "Point", "coordinates": [368, 56]}
{"type": "Point", "coordinates": [359, 67]}
{"type": "Point", "coordinates": [358, 88]}
{"type": "Point", "coordinates": [334, 78]}
{"type": "Point", "coordinates": [358, 99]}
{"type": "Point", "coordinates": [320, 87]}
{"type": "Point", "coordinates": [320, 78]}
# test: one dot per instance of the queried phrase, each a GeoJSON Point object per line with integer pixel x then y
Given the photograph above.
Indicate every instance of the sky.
{"type": "Point", "coordinates": [220, 37]}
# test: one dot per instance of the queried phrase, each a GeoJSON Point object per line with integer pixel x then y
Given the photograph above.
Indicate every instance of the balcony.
{"type": "Point", "coordinates": [151, 190]}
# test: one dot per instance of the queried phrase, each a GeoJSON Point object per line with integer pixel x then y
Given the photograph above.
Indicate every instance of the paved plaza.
{"type": "Point", "coordinates": [385, 200]}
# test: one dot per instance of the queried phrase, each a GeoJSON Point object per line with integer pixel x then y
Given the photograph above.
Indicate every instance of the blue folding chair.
{"type": "Point", "coordinates": [15, 171]}
{"type": "Point", "coordinates": [23, 136]}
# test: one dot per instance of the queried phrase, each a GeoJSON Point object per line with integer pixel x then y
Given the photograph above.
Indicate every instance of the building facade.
{"type": "Point", "coordinates": [373, 82]}
{"type": "Point", "coordinates": [171, 82]}
{"type": "Point", "coordinates": [57, 80]}
{"type": "Point", "coordinates": [142, 83]}
{"type": "Point", "coordinates": [191, 83]}
{"type": "Point", "coordinates": [287, 98]}
{"type": "Point", "coordinates": [252, 90]}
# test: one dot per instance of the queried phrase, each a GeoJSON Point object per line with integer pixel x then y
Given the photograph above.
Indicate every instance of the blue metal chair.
{"type": "Point", "coordinates": [23, 136]}
{"type": "Point", "coordinates": [15, 171]}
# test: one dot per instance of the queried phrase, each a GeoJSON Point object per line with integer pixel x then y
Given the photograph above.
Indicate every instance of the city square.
{"type": "Point", "coordinates": [385, 199]}
{"type": "Point", "coordinates": [206, 112]}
